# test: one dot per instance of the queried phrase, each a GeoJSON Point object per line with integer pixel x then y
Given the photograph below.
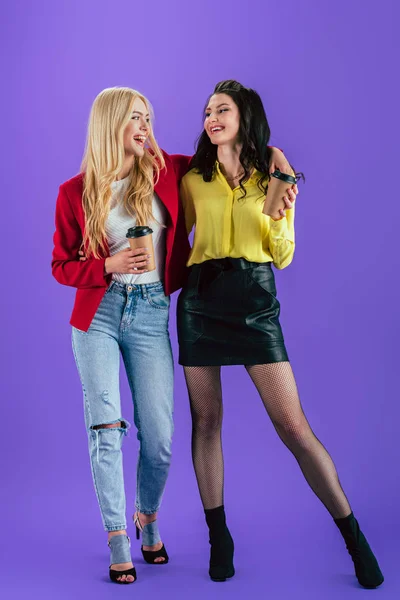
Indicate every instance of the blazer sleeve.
{"type": "Point", "coordinates": [66, 266]}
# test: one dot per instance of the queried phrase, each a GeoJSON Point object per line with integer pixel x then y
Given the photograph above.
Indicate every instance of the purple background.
{"type": "Point", "coordinates": [327, 72]}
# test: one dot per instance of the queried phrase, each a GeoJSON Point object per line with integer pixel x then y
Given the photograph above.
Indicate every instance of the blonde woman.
{"type": "Point", "coordinates": [121, 307]}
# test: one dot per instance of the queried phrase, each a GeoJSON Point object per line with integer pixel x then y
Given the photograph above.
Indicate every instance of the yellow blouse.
{"type": "Point", "coordinates": [228, 226]}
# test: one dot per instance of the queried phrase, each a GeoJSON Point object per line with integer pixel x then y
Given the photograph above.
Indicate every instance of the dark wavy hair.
{"type": "Point", "coordinates": [254, 134]}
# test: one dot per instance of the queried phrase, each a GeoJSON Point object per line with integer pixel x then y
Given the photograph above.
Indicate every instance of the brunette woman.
{"type": "Point", "coordinates": [228, 314]}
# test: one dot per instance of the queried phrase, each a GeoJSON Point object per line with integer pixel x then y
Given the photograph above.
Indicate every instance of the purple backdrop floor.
{"type": "Point", "coordinates": [303, 557]}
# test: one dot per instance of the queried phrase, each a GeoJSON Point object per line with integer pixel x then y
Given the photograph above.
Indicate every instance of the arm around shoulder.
{"type": "Point", "coordinates": [181, 164]}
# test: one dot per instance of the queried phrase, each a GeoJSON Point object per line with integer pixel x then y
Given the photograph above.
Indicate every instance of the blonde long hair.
{"type": "Point", "coordinates": [103, 160]}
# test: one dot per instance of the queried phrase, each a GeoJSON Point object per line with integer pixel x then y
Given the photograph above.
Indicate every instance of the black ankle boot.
{"type": "Point", "coordinates": [366, 566]}
{"type": "Point", "coordinates": [221, 555]}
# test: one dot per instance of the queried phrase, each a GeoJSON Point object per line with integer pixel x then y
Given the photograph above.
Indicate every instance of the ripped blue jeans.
{"type": "Point", "coordinates": [132, 320]}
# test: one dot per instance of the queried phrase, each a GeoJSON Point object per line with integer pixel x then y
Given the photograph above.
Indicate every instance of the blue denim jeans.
{"type": "Point", "coordinates": [131, 320]}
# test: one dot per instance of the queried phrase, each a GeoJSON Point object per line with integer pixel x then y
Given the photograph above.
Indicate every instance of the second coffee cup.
{"type": "Point", "coordinates": [278, 185]}
{"type": "Point", "coordinates": [141, 236]}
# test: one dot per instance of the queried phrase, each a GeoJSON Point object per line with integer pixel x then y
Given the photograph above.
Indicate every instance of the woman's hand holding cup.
{"type": "Point", "coordinates": [134, 262]}
{"type": "Point", "coordinates": [130, 261]}
{"type": "Point", "coordinates": [289, 200]}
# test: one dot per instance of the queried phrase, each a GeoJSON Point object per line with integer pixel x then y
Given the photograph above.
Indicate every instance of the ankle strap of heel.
{"type": "Point", "coordinates": [150, 534]}
{"type": "Point", "coordinates": [120, 549]}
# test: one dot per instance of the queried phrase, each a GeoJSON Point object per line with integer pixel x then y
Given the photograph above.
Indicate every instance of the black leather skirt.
{"type": "Point", "coordinates": [228, 314]}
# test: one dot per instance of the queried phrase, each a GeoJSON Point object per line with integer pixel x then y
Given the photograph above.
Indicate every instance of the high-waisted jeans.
{"type": "Point", "coordinates": [133, 320]}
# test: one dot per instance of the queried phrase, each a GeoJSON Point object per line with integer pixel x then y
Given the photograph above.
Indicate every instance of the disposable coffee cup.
{"type": "Point", "coordinates": [278, 185]}
{"type": "Point", "coordinates": [141, 237]}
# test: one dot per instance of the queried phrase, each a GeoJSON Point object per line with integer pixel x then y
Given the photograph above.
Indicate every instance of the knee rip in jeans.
{"type": "Point", "coordinates": [121, 425]}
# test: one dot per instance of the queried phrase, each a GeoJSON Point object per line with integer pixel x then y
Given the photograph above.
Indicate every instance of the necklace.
{"type": "Point", "coordinates": [238, 176]}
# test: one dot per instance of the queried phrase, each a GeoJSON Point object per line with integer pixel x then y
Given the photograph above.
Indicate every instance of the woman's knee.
{"type": "Point", "coordinates": [108, 425]}
{"type": "Point", "coordinates": [207, 423]}
{"type": "Point", "coordinates": [116, 429]}
{"type": "Point", "coordinates": [156, 443]}
{"type": "Point", "coordinates": [156, 452]}
{"type": "Point", "coordinates": [105, 438]}
{"type": "Point", "coordinates": [295, 432]}
{"type": "Point", "coordinates": [120, 424]}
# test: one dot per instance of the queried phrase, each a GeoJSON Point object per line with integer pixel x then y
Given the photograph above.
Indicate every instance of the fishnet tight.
{"type": "Point", "coordinates": [277, 387]}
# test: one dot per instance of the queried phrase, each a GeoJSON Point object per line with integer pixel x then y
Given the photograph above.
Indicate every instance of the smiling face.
{"type": "Point", "coordinates": [137, 130]}
{"type": "Point", "coordinates": [222, 120]}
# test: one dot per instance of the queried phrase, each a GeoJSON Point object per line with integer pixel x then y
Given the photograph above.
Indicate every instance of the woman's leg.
{"type": "Point", "coordinates": [277, 387]}
{"type": "Point", "coordinates": [204, 386]}
{"type": "Point", "coordinates": [97, 358]}
{"type": "Point", "coordinates": [147, 356]}
{"type": "Point", "coordinates": [205, 394]}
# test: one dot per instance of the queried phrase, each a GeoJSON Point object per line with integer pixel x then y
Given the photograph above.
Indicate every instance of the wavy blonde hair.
{"type": "Point", "coordinates": [103, 161]}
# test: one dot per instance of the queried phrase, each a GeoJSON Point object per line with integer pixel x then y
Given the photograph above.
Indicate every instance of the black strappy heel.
{"type": "Point", "coordinates": [120, 553]}
{"type": "Point", "coordinates": [150, 537]}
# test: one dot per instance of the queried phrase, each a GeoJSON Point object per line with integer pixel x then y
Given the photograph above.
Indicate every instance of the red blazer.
{"type": "Point", "coordinates": [88, 276]}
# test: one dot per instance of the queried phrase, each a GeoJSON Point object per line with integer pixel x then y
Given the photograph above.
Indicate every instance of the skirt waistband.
{"type": "Point", "coordinates": [228, 264]}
